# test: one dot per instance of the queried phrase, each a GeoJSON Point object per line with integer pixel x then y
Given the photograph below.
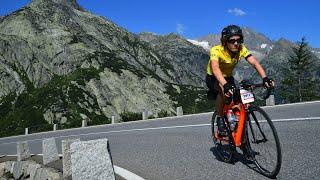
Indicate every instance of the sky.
{"type": "Point", "coordinates": [197, 18]}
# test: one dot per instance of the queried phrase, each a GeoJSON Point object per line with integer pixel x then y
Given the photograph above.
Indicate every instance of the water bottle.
{"type": "Point", "coordinates": [237, 116]}
{"type": "Point", "coordinates": [232, 119]}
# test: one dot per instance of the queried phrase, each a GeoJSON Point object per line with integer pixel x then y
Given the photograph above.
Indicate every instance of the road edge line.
{"type": "Point", "coordinates": [126, 174]}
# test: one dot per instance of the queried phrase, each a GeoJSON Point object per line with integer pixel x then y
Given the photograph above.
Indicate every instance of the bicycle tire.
{"type": "Point", "coordinates": [224, 150]}
{"type": "Point", "coordinates": [262, 141]}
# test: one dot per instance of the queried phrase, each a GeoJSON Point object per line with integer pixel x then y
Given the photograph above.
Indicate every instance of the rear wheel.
{"type": "Point", "coordinates": [223, 148]}
{"type": "Point", "coordinates": [263, 144]}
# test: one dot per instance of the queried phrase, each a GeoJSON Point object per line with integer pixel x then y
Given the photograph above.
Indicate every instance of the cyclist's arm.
{"type": "Point", "coordinates": [217, 72]}
{"type": "Point", "coordinates": [255, 63]}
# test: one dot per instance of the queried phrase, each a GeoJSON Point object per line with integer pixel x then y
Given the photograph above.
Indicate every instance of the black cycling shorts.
{"type": "Point", "coordinates": [213, 85]}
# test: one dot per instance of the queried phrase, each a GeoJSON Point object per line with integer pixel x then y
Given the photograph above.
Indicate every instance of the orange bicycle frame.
{"type": "Point", "coordinates": [237, 134]}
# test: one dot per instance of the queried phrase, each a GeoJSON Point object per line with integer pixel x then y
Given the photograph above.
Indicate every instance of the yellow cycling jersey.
{"type": "Point", "coordinates": [226, 62]}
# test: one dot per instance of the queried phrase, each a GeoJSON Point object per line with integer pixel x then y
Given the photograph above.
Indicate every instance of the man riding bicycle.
{"type": "Point", "coordinates": [223, 59]}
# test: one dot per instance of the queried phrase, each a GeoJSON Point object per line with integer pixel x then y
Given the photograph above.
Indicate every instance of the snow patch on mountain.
{"type": "Point", "coordinates": [204, 44]}
{"type": "Point", "coordinates": [263, 46]}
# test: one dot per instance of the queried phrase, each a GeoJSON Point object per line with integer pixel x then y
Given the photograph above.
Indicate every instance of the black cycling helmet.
{"type": "Point", "coordinates": [229, 31]}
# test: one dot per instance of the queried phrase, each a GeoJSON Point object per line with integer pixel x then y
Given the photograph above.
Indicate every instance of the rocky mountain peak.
{"type": "Point", "coordinates": [212, 39]}
{"type": "Point", "coordinates": [173, 36]}
{"type": "Point", "coordinates": [284, 43]}
{"type": "Point", "coordinates": [67, 3]}
{"type": "Point", "coordinates": [147, 36]}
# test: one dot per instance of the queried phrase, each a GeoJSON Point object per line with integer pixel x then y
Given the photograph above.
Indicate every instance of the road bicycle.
{"type": "Point", "coordinates": [253, 132]}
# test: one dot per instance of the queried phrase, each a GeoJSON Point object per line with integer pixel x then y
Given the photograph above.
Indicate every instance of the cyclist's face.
{"type": "Point", "coordinates": [234, 43]}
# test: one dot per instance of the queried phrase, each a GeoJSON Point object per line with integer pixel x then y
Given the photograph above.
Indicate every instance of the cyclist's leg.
{"type": "Point", "coordinates": [219, 108]}
{"type": "Point", "coordinates": [220, 97]}
{"type": "Point", "coordinates": [219, 104]}
{"type": "Point", "coordinates": [220, 101]}
{"type": "Point", "coordinates": [210, 82]}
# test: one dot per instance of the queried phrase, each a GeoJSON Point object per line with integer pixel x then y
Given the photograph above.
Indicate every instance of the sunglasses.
{"type": "Point", "coordinates": [233, 41]}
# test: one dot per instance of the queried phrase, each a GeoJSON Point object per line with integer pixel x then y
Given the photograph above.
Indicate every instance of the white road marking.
{"type": "Point", "coordinates": [126, 174]}
{"type": "Point", "coordinates": [296, 119]}
{"type": "Point", "coordinates": [291, 104]}
{"type": "Point", "coordinates": [119, 131]}
{"type": "Point", "coordinates": [118, 170]}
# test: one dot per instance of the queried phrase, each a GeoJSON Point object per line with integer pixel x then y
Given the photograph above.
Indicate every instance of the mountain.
{"type": "Point", "coordinates": [204, 44]}
{"type": "Point", "coordinates": [279, 55]}
{"type": "Point", "coordinates": [212, 39]}
{"type": "Point", "coordinates": [188, 60]}
{"type": "Point", "coordinates": [61, 64]}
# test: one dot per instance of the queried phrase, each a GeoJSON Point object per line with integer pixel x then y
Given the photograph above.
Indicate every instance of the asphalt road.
{"type": "Point", "coordinates": [181, 148]}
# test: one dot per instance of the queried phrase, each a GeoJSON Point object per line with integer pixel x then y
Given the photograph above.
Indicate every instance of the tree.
{"type": "Point", "coordinates": [299, 75]}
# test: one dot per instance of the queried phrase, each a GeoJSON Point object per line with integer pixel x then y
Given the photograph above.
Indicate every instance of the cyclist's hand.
{"type": "Point", "coordinates": [228, 89]}
{"type": "Point", "coordinates": [268, 83]}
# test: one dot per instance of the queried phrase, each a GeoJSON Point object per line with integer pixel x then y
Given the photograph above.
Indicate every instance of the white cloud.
{"type": "Point", "coordinates": [180, 28]}
{"type": "Point", "coordinates": [237, 12]}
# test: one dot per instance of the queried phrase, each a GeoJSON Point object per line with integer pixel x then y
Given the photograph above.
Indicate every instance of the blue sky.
{"type": "Point", "coordinates": [193, 19]}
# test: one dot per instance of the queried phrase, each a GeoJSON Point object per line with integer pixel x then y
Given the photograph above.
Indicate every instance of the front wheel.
{"type": "Point", "coordinates": [263, 143]}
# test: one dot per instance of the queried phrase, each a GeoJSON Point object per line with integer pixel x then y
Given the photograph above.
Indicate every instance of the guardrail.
{"type": "Point", "coordinates": [85, 123]}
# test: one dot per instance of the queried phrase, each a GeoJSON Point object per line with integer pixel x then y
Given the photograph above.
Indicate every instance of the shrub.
{"type": "Point", "coordinates": [151, 117]}
{"type": "Point", "coordinates": [130, 116]}
{"type": "Point", "coordinates": [163, 113]}
{"type": "Point", "coordinates": [100, 121]}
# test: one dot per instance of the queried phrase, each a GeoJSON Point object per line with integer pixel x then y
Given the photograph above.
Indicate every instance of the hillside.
{"type": "Point", "coordinates": [61, 64]}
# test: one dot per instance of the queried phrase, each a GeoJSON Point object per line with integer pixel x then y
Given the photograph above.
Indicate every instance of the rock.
{"type": "Point", "coordinates": [91, 159]}
{"type": "Point", "coordinates": [32, 169]}
{"type": "Point", "coordinates": [22, 151]}
{"type": "Point", "coordinates": [9, 166]}
{"type": "Point", "coordinates": [17, 170]}
{"type": "Point", "coordinates": [49, 151]}
{"type": "Point", "coordinates": [47, 173]}
{"type": "Point", "coordinates": [2, 169]}
{"type": "Point", "coordinates": [66, 161]}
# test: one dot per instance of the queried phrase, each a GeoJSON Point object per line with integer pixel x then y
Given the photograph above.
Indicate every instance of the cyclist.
{"type": "Point", "coordinates": [223, 59]}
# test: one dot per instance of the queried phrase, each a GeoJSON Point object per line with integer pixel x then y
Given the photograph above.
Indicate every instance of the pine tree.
{"type": "Point", "coordinates": [299, 81]}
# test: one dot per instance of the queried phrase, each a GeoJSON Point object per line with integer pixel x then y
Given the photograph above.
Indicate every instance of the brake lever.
{"type": "Point", "coordinates": [228, 100]}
